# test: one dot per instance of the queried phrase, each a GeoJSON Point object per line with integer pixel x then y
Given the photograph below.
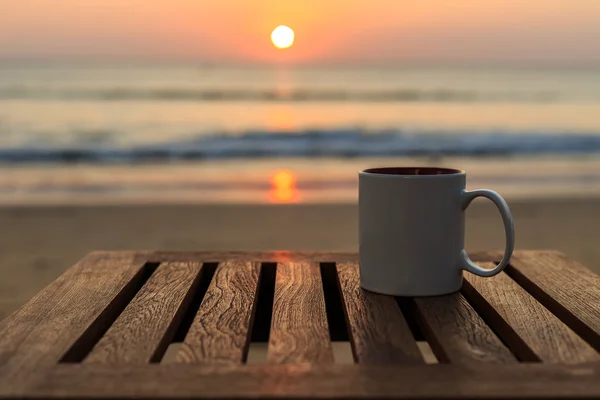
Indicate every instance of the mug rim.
{"type": "Point", "coordinates": [397, 172]}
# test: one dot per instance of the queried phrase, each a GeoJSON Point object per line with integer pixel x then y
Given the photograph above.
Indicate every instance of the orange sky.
{"type": "Point", "coordinates": [347, 31]}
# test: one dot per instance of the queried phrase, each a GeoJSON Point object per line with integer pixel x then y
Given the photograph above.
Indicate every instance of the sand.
{"type": "Point", "coordinates": [39, 242]}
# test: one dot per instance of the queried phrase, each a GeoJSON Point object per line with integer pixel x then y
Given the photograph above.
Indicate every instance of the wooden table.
{"type": "Point", "coordinates": [102, 330]}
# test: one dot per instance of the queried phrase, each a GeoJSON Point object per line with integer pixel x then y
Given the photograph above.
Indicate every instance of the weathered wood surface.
{"type": "Point", "coordinates": [379, 333]}
{"type": "Point", "coordinates": [299, 330]}
{"type": "Point", "coordinates": [143, 331]}
{"type": "Point", "coordinates": [457, 333]}
{"type": "Point", "coordinates": [532, 332]}
{"type": "Point", "coordinates": [545, 309]}
{"type": "Point", "coordinates": [220, 332]}
{"type": "Point", "coordinates": [67, 316]}
{"type": "Point", "coordinates": [567, 288]}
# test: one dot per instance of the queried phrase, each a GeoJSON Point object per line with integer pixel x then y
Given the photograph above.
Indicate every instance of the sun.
{"type": "Point", "coordinates": [282, 37]}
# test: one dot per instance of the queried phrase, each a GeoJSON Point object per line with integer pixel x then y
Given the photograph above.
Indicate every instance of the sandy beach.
{"type": "Point", "coordinates": [40, 242]}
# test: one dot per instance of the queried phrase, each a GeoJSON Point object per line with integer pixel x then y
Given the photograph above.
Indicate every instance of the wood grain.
{"type": "Point", "coordinates": [457, 334]}
{"type": "Point", "coordinates": [299, 330]}
{"type": "Point", "coordinates": [71, 314]}
{"type": "Point", "coordinates": [565, 287]}
{"type": "Point", "coordinates": [220, 332]}
{"type": "Point", "coordinates": [75, 306]}
{"type": "Point", "coordinates": [144, 329]}
{"type": "Point", "coordinates": [379, 333]}
{"type": "Point", "coordinates": [305, 381]}
{"type": "Point", "coordinates": [529, 329]}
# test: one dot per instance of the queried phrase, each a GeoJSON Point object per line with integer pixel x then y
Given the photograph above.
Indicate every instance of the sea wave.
{"type": "Point", "coordinates": [271, 95]}
{"type": "Point", "coordinates": [347, 143]}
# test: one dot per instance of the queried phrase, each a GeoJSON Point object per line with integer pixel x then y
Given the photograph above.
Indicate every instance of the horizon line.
{"type": "Point", "coordinates": [181, 61]}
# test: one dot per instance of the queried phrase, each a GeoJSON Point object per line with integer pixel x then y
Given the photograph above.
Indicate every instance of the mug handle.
{"type": "Point", "coordinates": [509, 229]}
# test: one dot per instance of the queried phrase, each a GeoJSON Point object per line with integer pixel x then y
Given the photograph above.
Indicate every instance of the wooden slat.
{"type": "Point", "coordinates": [220, 332]}
{"type": "Point", "coordinates": [143, 331]}
{"type": "Point", "coordinates": [322, 382]}
{"type": "Point", "coordinates": [379, 333]}
{"type": "Point", "coordinates": [78, 305]}
{"type": "Point", "coordinates": [567, 288]}
{"type": "Point", "coordinates": [299, 330]}
{"type": "Point", "coordinates": [531, 331]}
{"type": "Point", "coordinates": [457, 333]}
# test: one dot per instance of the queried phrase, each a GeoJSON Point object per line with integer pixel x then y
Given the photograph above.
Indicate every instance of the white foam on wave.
{"type": "Point", "coordinates": [344, 143]}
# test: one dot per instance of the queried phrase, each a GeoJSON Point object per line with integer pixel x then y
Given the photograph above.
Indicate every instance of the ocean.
{"type": "Point", "coordinates": [163, 126]}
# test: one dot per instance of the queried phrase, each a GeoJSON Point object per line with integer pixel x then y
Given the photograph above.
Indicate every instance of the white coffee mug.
{"type": "Point", "coordinates": [412, 228]}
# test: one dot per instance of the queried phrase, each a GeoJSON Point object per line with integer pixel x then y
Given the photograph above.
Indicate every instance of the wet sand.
{"type": "Point", "coordinates": [39, 242]}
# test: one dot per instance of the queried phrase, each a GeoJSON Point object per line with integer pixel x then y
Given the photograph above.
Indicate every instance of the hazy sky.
{"type": "Point", "coordinates": [347, 31]}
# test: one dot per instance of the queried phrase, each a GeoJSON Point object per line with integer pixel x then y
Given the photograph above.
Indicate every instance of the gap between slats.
{"type": "Point", "coordinates": [336, 320]}
{"type": "Point", "coordinates": [558, 342]}
{"type": "Point", "coordinates": [259, 337]}
{"type": "Point", "coordinates": [145, 328]}
{"type": "Point", "coordinates": [206, 276]}
{"type": "Point", "coordinates": [552, 305]}
{"type": "Point", "coordinates": [300, 331]}
{"type": "Point", "coordinates": [507, 335]}
{"type": "Point", "coordinates": [207, 273]}
{"type": "Point", "coordinates": [566, 316]}
{"type": "Point", "coordinates": [86, 342]}
{"type": "Point", "coordinates": [467, 293]}
{"type": "Point", "coordinates": [220, 331]}
{"type": "Point", "coordinates": [378, 329]}
{"type": "Point", "coordinates": [408, 309]}
{"type": "Point", "coordinates": [338, 330]}
{"type": "Point", "coordinates": [533, 278]}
